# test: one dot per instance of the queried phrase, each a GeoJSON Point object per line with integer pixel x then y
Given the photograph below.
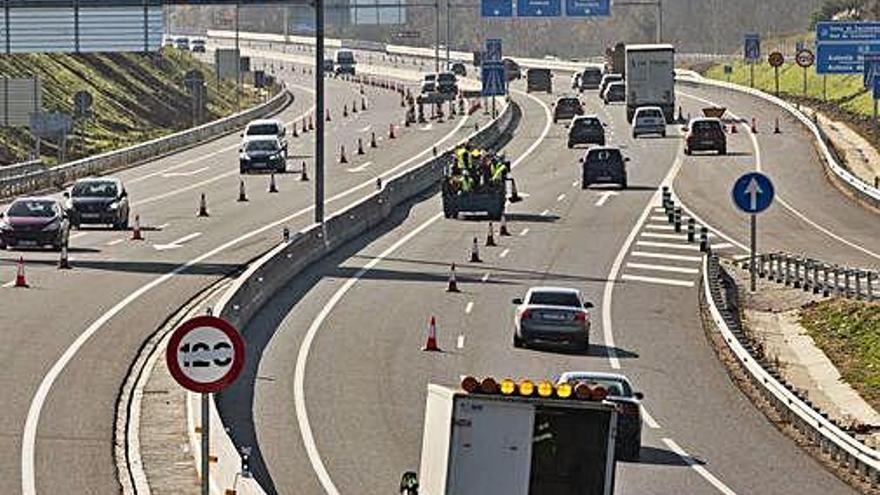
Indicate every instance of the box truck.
{"type": "Point", "coordinates": [650, 79]}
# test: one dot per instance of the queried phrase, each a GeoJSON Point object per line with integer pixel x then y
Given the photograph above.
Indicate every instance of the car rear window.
{"type": "Point", "coordinates": [603, 155]}
{"type": "Point", "coordinates": [651, 114]}
{"type": "Point", "coordinates": [589, 122]}
{"type": "Point", "coordinates": [616, 388]}
{"type": "Point", "coordinates": [29, 208]}
{"type": "Point", "coordinates": [262, 130]}
{"type": "Point", "coordinates": [94, 190]}
{"type": "Point", "coordinates": [569, 103]}
{"type": "Point", "coordinates": [706, 126]}
{"type": "Point", "coordinates": [555, 299]}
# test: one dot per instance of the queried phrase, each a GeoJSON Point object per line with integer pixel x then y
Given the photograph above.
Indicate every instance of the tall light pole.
{"type": "Point", "coordinates": [437, 36]}
{"type": "Point", "coordinates": [319, 111]}
{"type": "Point", "coordinates": [448, 30]}
{"type": "Point", "coordinates": [237, 61]}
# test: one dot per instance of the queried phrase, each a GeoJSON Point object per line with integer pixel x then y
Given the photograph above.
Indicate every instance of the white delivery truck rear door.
{"type": "Point", "coordinates": [491, 450]}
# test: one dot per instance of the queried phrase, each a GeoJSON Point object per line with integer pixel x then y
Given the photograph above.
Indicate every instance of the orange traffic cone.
{"type": "Point", "coordinates": [363, 103]}
{"type": "Point", "coordinates": [391, 131]}
{"type": "Point", "coordinates": [345, 110]}
{"type": "Point", "coordinates": [272, 187]}
{"type": "Point", "coordinates": [203, 206]}
{"type": "Point", "coordinates": [373, 140]}
{"type": "Point", "coordinates": [328, 115]}
{"type": "Point", "coordinates": [242, 195]}
{"type": "Point", "coordinates": [19, 275]}
{"type": "Point", "coordinates": [431, 344]}
{"type": "Point", "coordinates": [733, 127]}
{"type": "Point", "coordinates": [304, 176]}
{"type": "Point", "coordinates": [360, 150]}
{"type": "Point", "coordinates": [490, 237]}
{"type": "Point", "coordinates": [354, 107]}
{"type": "Point", "coordinates": [475, 252]}
{"type": "Point", "coordinates": [136, 230]}
{"type": "Point", "coordinates": [64, 260]}
{"type": "Point", "coordinates": [453, 283]}
{"type": "Point", "coordinates": [776, 128]}
{"type": "Point", "coordinates": [503, 230]}
{"type": "Point", "coordinates": [295, 132]}
{"type": "Point", "coordinates": [342, 158]}
{"type": "Point", "coordinates": [754, 126]}
{"type": "Point", "coordinates": [402, 100]}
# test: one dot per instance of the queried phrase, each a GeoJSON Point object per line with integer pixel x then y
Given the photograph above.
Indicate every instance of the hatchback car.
{"type": "Point", "coordinates": [629, 408]}
{"type": "Point", "coordinates": [649, 120]}
{"type": "Point", "coordinates": [567, 108]}
{"type": "Point", "coordinates": [99, 200]}
{"type": "Point", "coordinates": [552, 315]}
{"type": "Point", "coordinates": [608, 79]}
{"type": "Point", "coordinates": [604, 165]}
{"type": "Point", "coordinates": [447, 83]}
{"type": "Point", "coordinates": [34, 222]}
{"type": "Point", "coordinates": [614, 93]}
{"type": "Point", "coordinates": [539, 80]}
{"type": "Point", "coordinates": [705, 135]}
{"type": "Point", "coordinates": [429, 83]}
{"type": "Point", "coordinates": [459, 69]}
{"type": "Point", "coordinates": [590, 78]}
{"type": "Point", "coordinates": [267, 128]}
{"type": "Point", "coordinates": [586, 129]}
{"type": "Point", "coordinates": [262, 153]}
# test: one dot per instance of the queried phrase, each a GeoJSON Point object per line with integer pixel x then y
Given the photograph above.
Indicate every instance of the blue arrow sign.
{"type": "Point", "coordinates": [493, 78]}
{"type": "Point", "coordinates": [753, 192]}
{"type": "Point", "coordinates": [493, 50]}
{"type": "Point", "coordinates": [587, 8]}
{"type": "Point", "coordinates": [539, 8]}
{"type": "Point", "coordinates": [496, 8]}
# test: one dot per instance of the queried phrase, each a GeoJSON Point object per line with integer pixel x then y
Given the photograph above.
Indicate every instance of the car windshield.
{"type": "Point", "coordinates": [584, 123]}
{"type": "Point", "coordinates": [554, 298]}
{"type": "Point", "coordinates": [447, 77]}
{"type": "Point", "coordinates": [94, 190]}
{"type": "Point", "coordinates": [568, 103]}
{"type": "Point", "coordinates": [264, 145]}
{"type": "Point", "coordinates": [603, 155]}
{"type": "Point", "coordinates": [616, 387]}
{"type": "Point", "coordinates": [345, 57]}
{"type": "Point", "coordinates": [650, 114]}
{"type": "Point", "coordinates": [32, 208]}
{"type": "Point", "coordinates": [262, 130]}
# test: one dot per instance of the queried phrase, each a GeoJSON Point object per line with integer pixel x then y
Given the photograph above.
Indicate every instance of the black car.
{"type": "Point", "coordinates": [329, 66]}
{"type": "Point", "coordinates": [590, 78]}
{"type": "Point", "coordinates": [705, 135]}
{"type": "Point", "coordinates": [262, 153]}
{"type": "Point", "coordinates": [459, 69]}
{"type": "Point", "coordinates": [447, 83]}
{"type": "Point", "coordinates": [614, 93]}
{"type": "Point", "coordinates": [539, 80]}
{"type": "Point", "coordinates": [34, 222]}
{"type": "Point", "coordinates": [586, 130]}
{"type": "Point", "coordinates": [199, 46]}
{"type": "Point", "coordinates": [99, 201]}
{"type": "Point", "coordinates": [567, 108]}
{"type": "Point", "coordinates": [603, 165]}
{"type": "Point", "coordinates": [511, 69]}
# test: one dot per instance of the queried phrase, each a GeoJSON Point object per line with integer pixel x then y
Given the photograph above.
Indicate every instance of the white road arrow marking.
{"type": "Point", "coordinates": [603, 198]}
{"type": "Point", "coordinates": [360, 168]}
{"type": "Point", "coordinates": [185, 174]}
{"type": "Point", "coordinates": [753, 190]}
{"type": "Point", "coordinates": [178, 243]}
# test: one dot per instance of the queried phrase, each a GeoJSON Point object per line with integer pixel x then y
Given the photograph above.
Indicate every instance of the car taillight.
{"type": "Point", "coordinates": [526, 314]}
{"type": "Point", "coordinates": [580, 316]}
{"type": "Point", "coordinates": [629, 409]}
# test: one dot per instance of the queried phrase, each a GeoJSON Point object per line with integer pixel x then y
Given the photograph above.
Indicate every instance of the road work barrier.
{"type": "Point", "coordinates": [39, 178]}
{"type": "Point", "coordinates": [827, 439]}
{"type": "Point", "coordinates": [273, 271]}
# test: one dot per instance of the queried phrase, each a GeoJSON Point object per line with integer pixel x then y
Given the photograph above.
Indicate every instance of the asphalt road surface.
{"type": "Point", "coordinates": [69, 339]}
{"type": "Point", "coordinates": [334, 394]}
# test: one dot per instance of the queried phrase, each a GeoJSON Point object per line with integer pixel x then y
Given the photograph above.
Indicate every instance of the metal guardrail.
{"type": "Point", "coordinates": [817, 277]}
{"type": "Point", "coordinates": [59, 176]}
{"type": "Point", "coordinates": [21, 168]}
{"type": "Point", "coordinates": [831, 440]}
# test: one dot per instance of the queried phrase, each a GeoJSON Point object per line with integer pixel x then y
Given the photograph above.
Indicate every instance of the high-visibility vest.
{"type": "Point", "coordinates": [459, 157]}
{"type": "Point", "coordinates": [466, 183]}
{"type": "Point", "coordinates": [498, 170]}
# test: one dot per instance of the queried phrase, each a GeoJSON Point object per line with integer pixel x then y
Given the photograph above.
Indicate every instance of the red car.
{"type": "Point", "coordinates": [34, 222]}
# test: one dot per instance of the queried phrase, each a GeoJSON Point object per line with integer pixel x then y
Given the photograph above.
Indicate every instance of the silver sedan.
{"type": "Point", "coordinates": [552, 315]}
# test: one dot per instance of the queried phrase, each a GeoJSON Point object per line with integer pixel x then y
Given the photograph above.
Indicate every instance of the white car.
{"type": "Point", "coordinates": [273, 128]}
{"type": "Point", "coordinates": [429, 83]}
{"type": "Point", "coordinates": [649, 120]}
{"type": "Point", "coordinates": [552, 315]}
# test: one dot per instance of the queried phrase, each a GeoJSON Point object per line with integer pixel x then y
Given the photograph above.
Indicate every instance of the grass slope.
{"type": "Point", "coordinates": [136, 97]}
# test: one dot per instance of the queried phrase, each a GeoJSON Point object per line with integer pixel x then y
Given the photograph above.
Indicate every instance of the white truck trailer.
{"type": "Point", "coordinates": [650, 79]}
{"type": "Point", "coordinates": [509, 438]}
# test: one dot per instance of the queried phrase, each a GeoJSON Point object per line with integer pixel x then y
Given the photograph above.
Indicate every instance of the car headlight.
{"type": "Point", "coordinates": [113, 206]}
{"type": "Point", "coordinates": [245, 157]}
{"type": "Point", "coordinates": [54, 225]}
{"type": "Point", "coordinates": [4, 225]}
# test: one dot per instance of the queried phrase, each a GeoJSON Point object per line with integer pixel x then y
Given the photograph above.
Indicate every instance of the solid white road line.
{"type": "Point", "coordinates": [504, 253]}
{"type": "Point", "coordinates": [469, 307]}
{"type": "Point", "coordinates": [608, 291]}
{"type": "Point", "coordinates": [663, 268]}
{"type": "Point", "coordinates": [560, 197]}
{"type": "Point", "coordinates": [656, 218]}
{"type": "Point", "coordinates": [668, 245]}
{"type": "Point", "coordinates": [649, 420]}
{"type": "Point", "coordinates": [656, 226]}
{"type": "Point", "coordinates": [657, 280]}
{"type": "Point", "coordinates": [29, 436]}
{"type": "Point", "coordinates": [603, 198]}
{"type": "Point", "coordinates": [360, 168]}
{"type": "Point", "coordinates": [460, 343]}
{"type": "Point", "coordinates": [664, 256]}
{"type": "Point", "coordinates": [721, 487]}
{"type": "Point", "coordinates": [524, 232]}
{"type": "Point", "coordinates": [299, 369]}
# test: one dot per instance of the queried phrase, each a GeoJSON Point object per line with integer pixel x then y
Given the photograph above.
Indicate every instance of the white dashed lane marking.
{"type": "Point", "coordinates": [657, 280]}
{"type": "Point", "coordinates": [460, 343]}
{"type": "Point", "coordinates": [524, 232]}
{"type": "Point", "coordinates": [560, 197]}
{"type": "Point", "coordinates": [469, 307]}
{"type": "Point", "coordinates": [504, 253]}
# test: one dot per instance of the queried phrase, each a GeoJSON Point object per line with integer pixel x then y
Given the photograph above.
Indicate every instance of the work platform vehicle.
{"type": "Point", "coordinates": [489, 198]}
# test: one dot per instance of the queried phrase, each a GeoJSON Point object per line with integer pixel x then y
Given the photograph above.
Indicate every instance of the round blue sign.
{"type": "Point", "coordinates": [753, 192]}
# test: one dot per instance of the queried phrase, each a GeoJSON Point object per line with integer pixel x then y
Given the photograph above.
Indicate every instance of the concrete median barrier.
{"type": "Point", "coordinates": [279, 266]}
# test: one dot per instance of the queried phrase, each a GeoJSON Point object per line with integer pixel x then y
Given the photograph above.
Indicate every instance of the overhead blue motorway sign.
{"type": "Point", "coordinates": [850, 32]}
{"type": "Point", "coordinates": [496, 8]}
{"type": "Point", "coordinates": [538, 8]}
{"type": "Point", "coordinates": [753, 192]}
{"type": "Point", "coordinates": [587, 8]}
{"type": "Point", "coordinates": [752, 48]}
{"type": "Point", "coordinates": [493, 78]}
{"type": "Point", "coordinates": [832, 58]}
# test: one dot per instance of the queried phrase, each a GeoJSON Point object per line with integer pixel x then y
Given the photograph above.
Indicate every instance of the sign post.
{"type": "Point", "coordinates": [752, 54]}
{"type": "Point", "coordinates": [805, 60]}
{"type": "Point", "coordinates": [753, 193]}
{"type": "Point", "coordinates": [205, 355]}
{"type": "Point", "coordinates": [776, 59]}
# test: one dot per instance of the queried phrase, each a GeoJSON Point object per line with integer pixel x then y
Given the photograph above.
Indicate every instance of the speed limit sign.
{"type": "Point", "coordinates": [205, 354]}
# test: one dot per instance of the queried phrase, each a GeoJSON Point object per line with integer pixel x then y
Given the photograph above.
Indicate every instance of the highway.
{"type": "Point", "coordinates": [336, 379]}
{"type": "Point", "coordinates": [72, 335]}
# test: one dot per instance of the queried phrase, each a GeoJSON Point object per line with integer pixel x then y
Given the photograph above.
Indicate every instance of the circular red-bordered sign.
{"type": "Point", "coordinates": [205, 354]}
{"type": "Point", "coordinates": [776, 59]}
{"type": "Point", "coordinates": [805, 58]}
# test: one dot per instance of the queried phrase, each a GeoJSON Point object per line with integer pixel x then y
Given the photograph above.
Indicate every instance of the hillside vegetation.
{"type": "Point", "coordinates": [136, 97]}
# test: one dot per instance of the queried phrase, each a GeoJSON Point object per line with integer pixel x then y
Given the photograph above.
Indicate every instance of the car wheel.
{"type": "Point", "coordinates": [623, 183]}
{"type": "Point", "coordinates": [554, 120]}
{"type": "Point", "coordinates": [722, 151]}
{"type": "Point", "coordinates": [663, 134]}
{"type": "Point", "coordinates": [585, 184]}
{"type": "Point", "coordinates": [570, 145]}
{"type": "Point", "coordinates": [687, 151]}
{"type": "Point", "coordinates": [518, 342]}
{"type": "Point", "coordinates": [123, 224]}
